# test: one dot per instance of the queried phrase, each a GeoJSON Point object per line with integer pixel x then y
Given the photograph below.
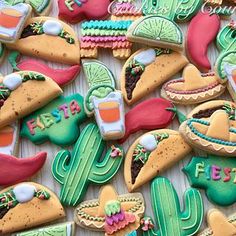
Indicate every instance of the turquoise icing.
{"type": "Point", "coordinates": [213, 140]}
{"type": "Point", "coordinates": [107, 24]}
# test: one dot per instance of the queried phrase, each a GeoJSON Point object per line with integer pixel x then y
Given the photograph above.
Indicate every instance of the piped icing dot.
{"type": "Point", "coordinates": [51, 27]}
{"type": "Point", "coordinates": [146, 57]}
{"type": "Point", "coordinates": [24, 192]}
{"type": "Point", "coordinates": [12, 81]}
{"type": "Point", "coordinates": [149, 142]}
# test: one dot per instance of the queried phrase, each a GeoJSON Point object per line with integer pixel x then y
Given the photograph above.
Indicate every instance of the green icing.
{"type": "Point", "coordinates": [54, 230]}
{"type": "Point", "coordinates": [57, 122]}
{"type": "Point", "coordinates": [216, 175]}
{"type": "Point", "coordinates": [75, 171]}
{"type": "Point", "coordinates": [112, 208]}
{"type": "Point", "coordinates": [100, 32]}
{"type": "Point", "coordinates": [159, 29]}
{"type": "Point", "coordinates": [166, 208]}
{"type": "Point", "coordinates": [175, 10]}
{"type": "Point", "coordinates": [2, 49]}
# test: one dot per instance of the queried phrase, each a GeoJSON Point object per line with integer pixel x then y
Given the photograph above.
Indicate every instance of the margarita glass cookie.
{"type": "Point", "coordinates": [63, 229]}
{"type": "Point", "coordinates": [166, 208]}
{"type": "Point", "coordinates": [57, 122]}
{"type": "Point", "coordinates": [226, 62]}
{"type": "Point", "coordinates": [158, 28]}
{"type": "Point", "coordinates": [117, 215]}
{"type": "Point", "coordinates": [103, 100]}
{"type": "Point", "coordinates": [15, 170]}
{"type": "Point", "coordinates": [24, 92]}
{"type": "Point", "coordinates": [193, 87]}
{"type": "Point", "coordinates": [151, 154]}
{"type": "Point", "coordinates": [216, 175]}
{"type": "Point", "coordinates": [62, 77]}
{"type": "Point", "coordinates": [18, 204]}
{"type": "Point", "coordinates": [109, 33]}
{"type": "Point", "coordinates": [75, 11]}
{"type": "Point", "coordinates": [75, 171]}
{"type": "Point", "coordinates": [219, 224]}
{"type": "Point", "coordinates": [50, 39]}
{"type": "Point", "coordinates": [12, 20]}
{"type": "Point", "coordinates": [147, 69]}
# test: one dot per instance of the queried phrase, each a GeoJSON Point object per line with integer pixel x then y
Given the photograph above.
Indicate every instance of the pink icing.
{"type": "Point", "coordinates": [110, 220]}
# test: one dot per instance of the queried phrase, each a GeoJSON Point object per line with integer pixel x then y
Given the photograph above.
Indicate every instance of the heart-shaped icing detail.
{"type": "Point", "coordinates": [149, 142]}
{"type": "Point", "coordinates": [52, 27]}
{"type": "Point", "coordinates": [146, 57]}
{"type": "Point", "coordinates": [12, 81]}
{"type": "Point", "coordinates": [24, 192]}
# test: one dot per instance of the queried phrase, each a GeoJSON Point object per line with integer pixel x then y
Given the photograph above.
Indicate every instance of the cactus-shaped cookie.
{"type": "Point", "coordinates": [76, 170]}
{"type": "Point", "coordinates": [171, 220]}
{"type": "Point", "coordinates": [172, 9]}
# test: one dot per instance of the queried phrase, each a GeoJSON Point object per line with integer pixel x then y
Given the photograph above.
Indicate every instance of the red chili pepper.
{"type": "Point", "coordinates": [148, 115]}
{"type": "Point", "coordinates": [15, 170]}
{"type": "Point", "coordinates": [202, 32]}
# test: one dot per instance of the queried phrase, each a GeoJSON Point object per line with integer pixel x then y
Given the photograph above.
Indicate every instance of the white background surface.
{"type": "Point", "coordinates": [175, 174]}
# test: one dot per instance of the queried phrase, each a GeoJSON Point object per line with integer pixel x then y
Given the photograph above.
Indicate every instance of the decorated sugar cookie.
{"type": "Point", "coordinates": [109, 33]}
{"type": "Point", "coordinates": [193, 87]}
{"type": "Point", "coordinates": [158, 28]}
{"type": "Point", "coordinates": [12, 20]}
{"type": "Point", "coordinates": [75, 11]}
{"type": "Point", "coordinates": [27, 205]}
{"type": "Point", "coordinates": [24, 92]}
{"type": "Point", "coordinates": [216, 135]}
{"type": "Point", "coordinates": [50, 39]}
{"type": "Point", "coordinates": [226, 62]}
{"type": "Point", "coordinates": [9, 139]}
{"type": "Point", "coordinates": [2, 52]}
{"type": "Point", "coordinates": [219, 224]}
{"type": "Point", "coordinates": [15, 170]}
{"type": "Point", "coordinates": [169, 216]}
{"type": "Point", "coordinates": [147, 69]}
{"type": "Point", "coordinates": [115, 214]}
{"type": "Point", "coordinates": [61, 76]}
{"type": "Point", "coordinates": [151, 154]}
{"type": "Point", "coordinates": [40, 7]}
{"type": "Point", "coordinates": [148, 115]}
{"type": "Point", "coordinates": [75, 171]}
{"type": "Point", "coordinates": [63, 229]}
{"type": "Point", "coordinates": [202, 31]}
{"type": "Point", "coordinates": [57, 122]}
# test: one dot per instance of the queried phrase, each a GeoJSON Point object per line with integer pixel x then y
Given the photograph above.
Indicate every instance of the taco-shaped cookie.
{"type": "Point", "coordinates": [216, 135]}
{"type": "Point", "coordinates": [117, 215]}
{"type": "Point", "coordinates": [219, 224]}
{"type": "Point", "coordinates": [24, 92]}
{"type": "Point", "coordinates": [50, 39]}
{"type": "Point", "coordinates": [147, 69]}
{"type": "Point", "coordinates": [26, 205]}
{"type": "Point", "coordinates": [193, 87]}
{"type": "Point", "coordinates": [151, 154]}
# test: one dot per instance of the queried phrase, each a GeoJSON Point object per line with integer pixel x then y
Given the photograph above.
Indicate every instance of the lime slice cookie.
{"type": "Point", "coordinates": [156, 31]}
{"type": "Point", "coordinates": [98, 74]}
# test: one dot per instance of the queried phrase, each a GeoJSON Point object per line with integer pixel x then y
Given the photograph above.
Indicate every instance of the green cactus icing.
{"type": "Point", "coordinates": [76, 170]}
{"type": "Point", "coordinates": [57, 122]}
{"type": "Point", "coordinates": [112, 208]}
{"type": "Point", "coordinates": [166, 207]}
{"type": "Point", "coordinates": [176, 10]}
{"type": "Point", "coordinates": [216, 175]}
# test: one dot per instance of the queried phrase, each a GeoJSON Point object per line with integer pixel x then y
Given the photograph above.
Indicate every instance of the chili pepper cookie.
{"type": "Point", "coordinates": [151, 154]}
{"type": "Point", "coordinates": [75, 171]}
{"type": "Point", "coordinates": [50, 39]}
{"type": "Point", "coordinates": [169, 216]}
{"type": "Point", "coordinates": [24, 92]}
{"type": "Point", "coordinates": [27, 205]}
{"type": "Point", "coordinates": [115, 214]}
{"type": "Point", "coordinates": [147, 69]}
{"type": "Point", "coordinates": [193, 87]}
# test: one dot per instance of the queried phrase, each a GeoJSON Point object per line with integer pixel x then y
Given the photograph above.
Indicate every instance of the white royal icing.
{"type": "Point", "coordinates": [149, 142]}
{"type": "Point", "coordinates": [12, 81]}
{"type": "Point", "coordinates": [229, 71]}
{"type": "Point", "coordinates": [24, 192]}
{"type": "Point", "coordinates": [146, 57]}
{"type": "Point", "coordinates": [52, 27]}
